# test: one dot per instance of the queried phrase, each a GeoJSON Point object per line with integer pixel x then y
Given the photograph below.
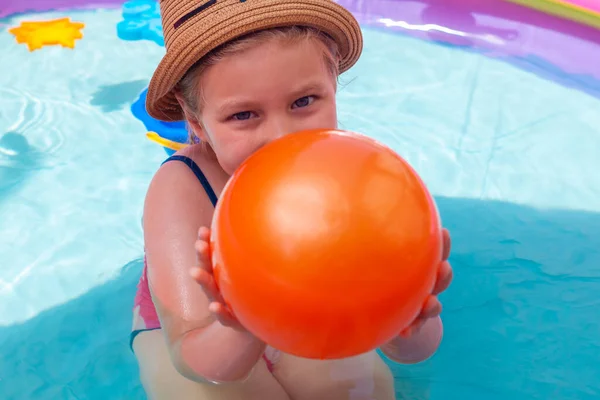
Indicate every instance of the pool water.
{"type": "Point", "coordinates": [512, 159]}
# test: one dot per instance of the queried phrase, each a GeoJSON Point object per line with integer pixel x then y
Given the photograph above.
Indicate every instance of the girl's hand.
{"type": "Point", "coordinates": [433, 307]}
{"type": "Point", "coordinates": [203, 274]}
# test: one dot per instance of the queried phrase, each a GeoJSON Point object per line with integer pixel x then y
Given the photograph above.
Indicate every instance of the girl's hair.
{"type": "Point", "coordinates": [189, 87]}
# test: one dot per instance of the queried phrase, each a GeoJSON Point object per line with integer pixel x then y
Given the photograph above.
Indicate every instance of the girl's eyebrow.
{"type": "Point", "coordinates": [306, 88]}
{"type": "Point", "coordinates": [232, 105]}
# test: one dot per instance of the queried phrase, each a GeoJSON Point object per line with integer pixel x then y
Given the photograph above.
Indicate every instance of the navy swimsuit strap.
{"type": "Point", "coordinates": [199, 174]}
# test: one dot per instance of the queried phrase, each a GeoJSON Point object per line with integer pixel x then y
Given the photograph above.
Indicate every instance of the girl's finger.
{"type": "Point", "coordinates": [207, 282]}
{"type": "Point", "coordinates": [417, 325]}
{"type": "Point", "coordinates": [214, 307]}
{"type": "Point", "coordinates": [406, 333]}
{"type": "Point", "coordinates": [431, 308]}
{"type": "Point", "coordinates": [447, 244]}
{"type": "Point", "coordinates": [204, 234]}
{"type": "Point", "coordinates": [444, 277]}
{"type": "Point", "coordinates": [412, 328]}
{"type": "Point", "coordinates": [224, 315]}
{"type": "Point", "coordinates": [203, 253]}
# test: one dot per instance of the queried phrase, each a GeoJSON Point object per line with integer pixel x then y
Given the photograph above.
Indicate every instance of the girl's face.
{"type": "Point", "coordinates": [261, 94]}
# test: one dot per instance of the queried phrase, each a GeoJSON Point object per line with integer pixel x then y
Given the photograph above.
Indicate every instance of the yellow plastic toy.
{"type": "Point", "coordinates": [37, 34]}
{"type": "Point", "coordinates": [169, 144]}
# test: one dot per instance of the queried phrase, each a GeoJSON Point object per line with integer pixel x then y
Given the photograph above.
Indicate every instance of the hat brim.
{"type": "Point", "coordinates": [199, 38]}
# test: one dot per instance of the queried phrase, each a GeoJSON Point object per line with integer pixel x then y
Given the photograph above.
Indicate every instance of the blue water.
{"type": "Point", "coordinates": [512, 159]}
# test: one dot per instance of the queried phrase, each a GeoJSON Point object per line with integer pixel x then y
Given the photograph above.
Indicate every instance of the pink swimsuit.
{"type": "Point", "coordinates": [145, 317]}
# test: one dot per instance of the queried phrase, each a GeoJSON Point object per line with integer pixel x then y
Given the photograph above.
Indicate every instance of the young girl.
{"type": "Point", "coordinates": [242, 73]}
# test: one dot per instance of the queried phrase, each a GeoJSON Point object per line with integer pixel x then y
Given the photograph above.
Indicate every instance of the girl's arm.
{"type": "Point", "coordinates": [201, 348]}
{"type": "Point", "coordinates": [419, 346]}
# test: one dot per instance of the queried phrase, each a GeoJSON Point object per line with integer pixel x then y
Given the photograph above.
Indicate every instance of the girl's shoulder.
{"type": "Point", "coordinates": [177, 197]}
{"type": "Point", "coordinates": [190, 173]}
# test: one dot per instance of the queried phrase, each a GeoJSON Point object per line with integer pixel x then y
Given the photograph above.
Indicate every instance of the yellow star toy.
{"type": "Point", "coordinates": [47, 33]}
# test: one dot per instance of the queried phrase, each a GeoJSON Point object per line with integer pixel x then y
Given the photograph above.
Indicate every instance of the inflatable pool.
{"type": "Point", "coordinates": [16, 7]}
{"type": "Point", "coordinates": [494, 104]}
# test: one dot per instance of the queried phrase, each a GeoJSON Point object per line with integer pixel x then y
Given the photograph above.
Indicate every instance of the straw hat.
{"type": "Point", "coordinates": [192, 28]}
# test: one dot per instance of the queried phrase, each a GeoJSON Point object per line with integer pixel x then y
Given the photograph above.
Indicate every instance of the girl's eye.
{"type": "Point", "coordinates": [242, 116]}
{"type": "Point", "coordinates": [303, 102]}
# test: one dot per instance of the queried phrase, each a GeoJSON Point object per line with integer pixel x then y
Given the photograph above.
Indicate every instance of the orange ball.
{"type": "Point", "coordinates": [325, 244]}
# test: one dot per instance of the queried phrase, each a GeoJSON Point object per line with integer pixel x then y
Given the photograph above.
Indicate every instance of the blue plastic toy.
{"type": "Point", "coordinates": [141, 21]}
{"type": "Point", "coordinates": [172, 131]}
